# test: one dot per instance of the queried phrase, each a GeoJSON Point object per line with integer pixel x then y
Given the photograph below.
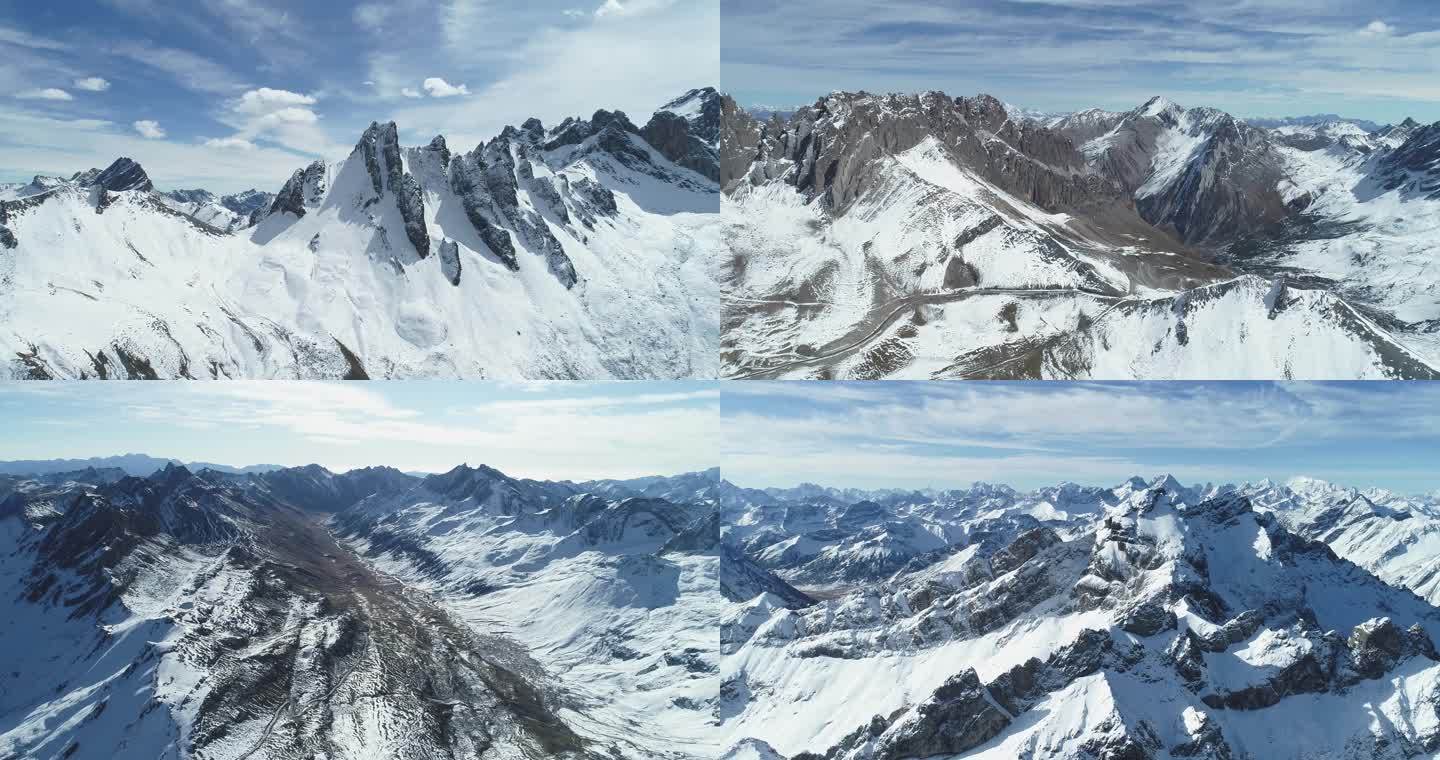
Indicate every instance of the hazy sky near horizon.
{"type": "Point", "coordinates": [1031, 434]}
{"type": "Point", "coordinates": [1377, 60]}
{"type": "Point", "coordinates": [233, 94]}
{"type": "Point", "coordinates": [550, 430]}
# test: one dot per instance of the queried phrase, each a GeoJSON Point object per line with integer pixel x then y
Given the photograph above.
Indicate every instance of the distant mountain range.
{"type": "Point", "coordinates": [140, 465]}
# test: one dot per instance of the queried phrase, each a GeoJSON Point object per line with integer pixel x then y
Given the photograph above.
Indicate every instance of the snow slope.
{"type": "Point", "coordinates": [580, 251]}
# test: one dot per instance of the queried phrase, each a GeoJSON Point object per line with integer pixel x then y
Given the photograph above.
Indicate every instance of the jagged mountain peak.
{"type": "Point", "coordinates": [1157, 106]}
{"type": "Point", "coordinates": [124, 174]}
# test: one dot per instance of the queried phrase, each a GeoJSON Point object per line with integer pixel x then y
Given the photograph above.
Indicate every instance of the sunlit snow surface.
{"type": "Point", "coordinates": [274, 300]}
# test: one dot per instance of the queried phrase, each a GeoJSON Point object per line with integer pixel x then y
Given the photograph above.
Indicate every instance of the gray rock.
{"type": "Point", "coordinates": [123, 174]}
{"type": "Point", "coordinates": [956, 718]}
{"type": "Point", "coordinates": [379, 147]}
{"type": "Point", "coordinates": [450, 260]}
{"type": "Point", "coordinates": [670, 134]}
{"type": "Point", "coordinates": [1148, 619]}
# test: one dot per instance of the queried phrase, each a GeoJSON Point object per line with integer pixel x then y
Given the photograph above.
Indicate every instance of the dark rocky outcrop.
{"type": "Point", "coordinates": [450, 260]}
{"type": "Point", "coordinates": [301, 192]}
{"type": "Point", "coordinates": [670, 134]}
{"type": "Point", "coordinates": [123, 174]}
{"type": "Point", "coordinates": [380, 149]}
{"type": "Point", "coordinates": [1415, 164]}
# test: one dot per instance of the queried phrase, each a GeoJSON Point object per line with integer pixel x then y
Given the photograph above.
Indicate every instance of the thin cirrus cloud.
{"type": "Point", "coordinates": [48, 93]}
{"type": "Point", "coordinates": [1375, 60]}
{"type": "Point", "coordinates": [1031, 434]}
{"type": "Point", "coordinates": [567, 430]}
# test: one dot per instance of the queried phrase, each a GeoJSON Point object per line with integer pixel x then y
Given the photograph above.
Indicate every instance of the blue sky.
{"type": "Point", "coordinates": [552, 430]}
{"type": "Point", "coordinates": [1378, 59]}
{"type": "Point", "coordinates": [230, 94]}
{"type": "Point", "coordinates": [1030, 434]}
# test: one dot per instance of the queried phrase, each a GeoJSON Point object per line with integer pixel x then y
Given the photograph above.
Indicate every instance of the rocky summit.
{"type": "Point", "coordinates": [931, 236]}
{"type": "Point", "coordinates": [542, 253]}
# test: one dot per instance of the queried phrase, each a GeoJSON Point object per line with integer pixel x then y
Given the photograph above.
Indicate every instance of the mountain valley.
{"type": "Point", "coordinates": [925, 236]}
{"type": "Point", "coordinates": [300, 613]}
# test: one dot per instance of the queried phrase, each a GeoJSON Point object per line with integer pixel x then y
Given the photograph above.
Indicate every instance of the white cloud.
{"type": "Point", "coordinates": [1377, 28]}
{"type": "Point", "coordinates": [872, 434]}
{"type": "Point", "coordinates": [39, 144]}
{"type": "Point", "coordinates": [265, 100]}
{"type": "Point", "coordinates": [439, 88]}
{"type": "Point", "coordinates": [410, 92]}
{"type": "Point", "coordinates": [229, 143]}
{"type": "Point", "coordinates": [556, 440]}
{"type": "Point", "coordinates": [149, 129]}
{"type": "Point", "coordinates": [190, 70]}
{"type": "Point", "coordinates": [18, 38]}
{"type": "Point", "coordinates": [49, 93]}
{"type": "Point", "coordinates": [649, 58]}
{"type": "Point", "coordinates": [630, 7]}
{"type": "Point", "coordinates": [371, 16]}
{"type": "Point", "coordinates": [596, 403]}
{"type": "Point", "coordinates": [279, 116]}
{"type": "Point", "coordinates": [92, 84]}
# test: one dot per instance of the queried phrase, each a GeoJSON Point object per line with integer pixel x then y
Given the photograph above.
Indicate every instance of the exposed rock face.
{"type": "Point", "coordinates": [1415, 164]}
{"type": "Point", "coordinates": [505, 161]}
{"type": "Point", "coordinates": [742, 579]}
{"type": "Point", "coordinates": [302, 191]}
{"type": "Point", "coordinates": [741, 139]}
{"type": "Point", "coordinates": [380, 149]}
{"type": "Point", "coordinates": [956, 718]}
{"type": "Point", "coordinates": [701, 107]}
{"type": "Point", "coordinates": [123, 174]}
{"type": "Point", "coordinates": [441, 150]}
{"type": "Point", "coordinates": [7, 238]}
{"type": "Point", "coordinates": [450, 260]}
{"type": "Point", "coordinates": [670, 134]}
{"type": "Point", "coordinates": [833, 146]}
{"type": "Point", "coordinates": [467, 178]}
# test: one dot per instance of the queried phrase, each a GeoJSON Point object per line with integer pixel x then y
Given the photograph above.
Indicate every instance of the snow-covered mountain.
{"type": "Point", "coordinates": [1313, 119]}
{"type": "Point", "coordinates": [226, 212]}
{"type": "Point", "coordinates": [582, 250]}
{"type": "Point", "coordinates": [299, 613]}
{"type": "Point", "coordinates": [133, 464]}
{"type": "Point", "coordinates": [929, 236]}
{"type": "Point", "coordinates": [1148, 620]}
